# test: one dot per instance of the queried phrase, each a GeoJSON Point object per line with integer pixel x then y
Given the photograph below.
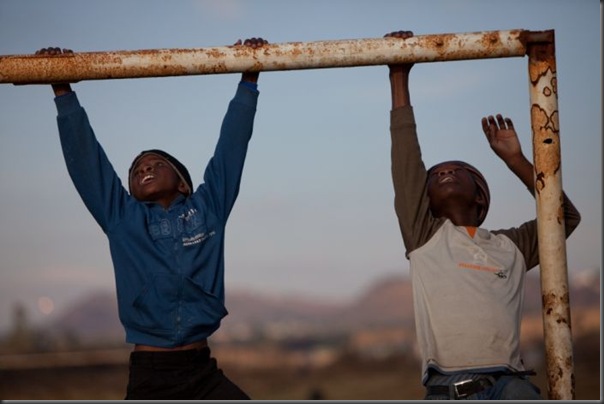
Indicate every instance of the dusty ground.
{"type": "Point", "coordinates": [348, 379]}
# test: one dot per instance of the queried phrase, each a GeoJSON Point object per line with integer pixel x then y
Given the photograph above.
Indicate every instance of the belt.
{"type": "Point", "coordinates": [462, 389]}
{"type": "Point", "coordinates": [467, 387]}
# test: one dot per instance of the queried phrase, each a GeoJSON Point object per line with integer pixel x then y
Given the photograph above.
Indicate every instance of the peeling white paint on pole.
{"type": "Point", "coordinates": [550, 219]}
{"type": "Point", "coordinates": [44, 69]}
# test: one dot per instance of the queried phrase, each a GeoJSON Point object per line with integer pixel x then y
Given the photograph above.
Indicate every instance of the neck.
{"type": "Point", "coordinates": [466, 217]}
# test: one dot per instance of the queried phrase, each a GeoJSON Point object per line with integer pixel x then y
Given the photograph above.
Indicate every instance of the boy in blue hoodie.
{"type": "Point", "coordinates": [167, 244]}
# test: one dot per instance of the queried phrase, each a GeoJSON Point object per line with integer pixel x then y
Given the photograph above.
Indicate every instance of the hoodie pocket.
{"type": "Point", "coordinates": [201, 310]}
{"type": "Point", "coordinates": [168, 302]}
{"type": "Point", "coordinates": [155, 306]}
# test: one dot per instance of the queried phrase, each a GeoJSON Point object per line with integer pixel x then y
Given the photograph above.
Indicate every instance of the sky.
{"type": "Point", "coordinates": [315, 214]}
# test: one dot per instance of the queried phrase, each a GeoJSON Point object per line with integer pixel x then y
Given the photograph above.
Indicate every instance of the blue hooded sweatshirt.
{"type": "Point", "coordinates": [168, 263]}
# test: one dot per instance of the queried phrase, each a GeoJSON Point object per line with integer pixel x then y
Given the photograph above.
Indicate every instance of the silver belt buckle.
{"type": "Point", "coordinates": [457, 389]}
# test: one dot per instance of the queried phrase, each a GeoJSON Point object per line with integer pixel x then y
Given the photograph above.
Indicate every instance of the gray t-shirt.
{"type": "Point", "coordinates": [468, 288]}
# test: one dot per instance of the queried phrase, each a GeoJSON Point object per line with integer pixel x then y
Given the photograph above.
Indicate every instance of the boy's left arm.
{"type": "Point", "coordinates": [503, 139]}
{"type": "Point", "coordinates": [222, 176]}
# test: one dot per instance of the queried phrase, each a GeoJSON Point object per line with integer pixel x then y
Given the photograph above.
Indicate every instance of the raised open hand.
{"type": "Point", "coordinates": [502, 137]}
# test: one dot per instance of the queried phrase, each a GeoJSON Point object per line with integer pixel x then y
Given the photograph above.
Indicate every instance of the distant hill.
{"type": "Point", "coordinates": [91, 318]}
{"type": "Point", "coordinates": [387, 302]}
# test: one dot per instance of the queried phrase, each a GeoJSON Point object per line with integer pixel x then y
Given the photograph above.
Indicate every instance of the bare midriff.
{"type": "Point", "coordinates": [195, 345]}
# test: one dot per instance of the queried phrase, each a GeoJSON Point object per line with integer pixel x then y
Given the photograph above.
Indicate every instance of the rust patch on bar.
{"type": "Point", "coordinates": [542, 59]}
{"type": "Point", "coordinates": [551, 299]}
{"type": "Point", "coordinates": [539, 182]}
{"type": "Point", "coordinates": [439, 43]}
{"type": "Point", "coordinates": [548, 300]}
{"type": "Point", "coordinates": [560, 217]}
{"type": "Point", "coordinates": [215, 53]}
{"type": "Point", "coordinates": [490, 41]}
{"type": "Point", "coordinates": [557, 375]}
{"type": "Point", "coordinates": [546, 132]}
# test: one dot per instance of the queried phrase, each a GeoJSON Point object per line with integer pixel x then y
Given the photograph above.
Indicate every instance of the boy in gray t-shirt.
{"type": "Point", "coordinates": [468, 282]}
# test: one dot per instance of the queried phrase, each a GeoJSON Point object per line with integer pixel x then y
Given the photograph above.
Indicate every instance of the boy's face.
{"type": "Point", "coordinates": [154, 180]}
{"type": "Point", "coordinates": [451, 184]}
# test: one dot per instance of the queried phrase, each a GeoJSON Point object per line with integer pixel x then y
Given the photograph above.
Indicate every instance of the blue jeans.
{"type": "Point", "coordinates": [506, 388]}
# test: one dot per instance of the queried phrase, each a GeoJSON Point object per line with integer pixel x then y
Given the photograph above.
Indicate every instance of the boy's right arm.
{"type": "Point", "coordinates": [408, 171]}
{"type": "Point", "coordinates": [89, 168]}
{"type": "Point", "coordinates": [399, 76]}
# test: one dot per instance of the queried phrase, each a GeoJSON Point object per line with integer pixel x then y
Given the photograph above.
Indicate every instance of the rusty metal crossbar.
{"type": "Point", "coordinates": [44, 69]}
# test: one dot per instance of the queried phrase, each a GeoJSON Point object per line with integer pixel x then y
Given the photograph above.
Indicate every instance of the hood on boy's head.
{"type": "Point", "coordinates": [180, 169]}
{"type": "Point", "coordinates": [481, 184]}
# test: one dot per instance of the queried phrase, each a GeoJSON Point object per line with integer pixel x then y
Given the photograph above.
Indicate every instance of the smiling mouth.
{"type": "Point", "coordinates": [443, 180]}
{"type": "Point", "coordinates": [147, 178]}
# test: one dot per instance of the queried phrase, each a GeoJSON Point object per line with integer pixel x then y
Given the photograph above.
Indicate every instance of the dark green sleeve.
{"type": "Point", "coordinates": [409, 178]}
{"type": "Point", "coordinates": [526, 238]}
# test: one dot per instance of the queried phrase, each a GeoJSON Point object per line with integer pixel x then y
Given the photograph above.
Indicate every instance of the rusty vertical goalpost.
{"type": "Point", "coordinates": [539, 46]}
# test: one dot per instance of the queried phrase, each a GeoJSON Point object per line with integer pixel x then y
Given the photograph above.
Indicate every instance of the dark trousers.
{"type": "Point", "coordinates": [179, 375]}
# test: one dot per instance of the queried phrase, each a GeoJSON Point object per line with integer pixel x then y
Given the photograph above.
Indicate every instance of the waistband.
{"type": "Point", "coordinates": [460, 386]}
{"type": "Point", "coordinates": [168, 358]}
{"type": "Point", "coordinates": [464, 388]}
{"type": "Point", "coordinates": [194, 345]}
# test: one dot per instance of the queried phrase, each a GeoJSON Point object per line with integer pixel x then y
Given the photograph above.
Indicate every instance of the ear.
{"type": "Point", "coordinates": [182, 188]}
{"type": "Point", "coordinates": [480, 199]}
